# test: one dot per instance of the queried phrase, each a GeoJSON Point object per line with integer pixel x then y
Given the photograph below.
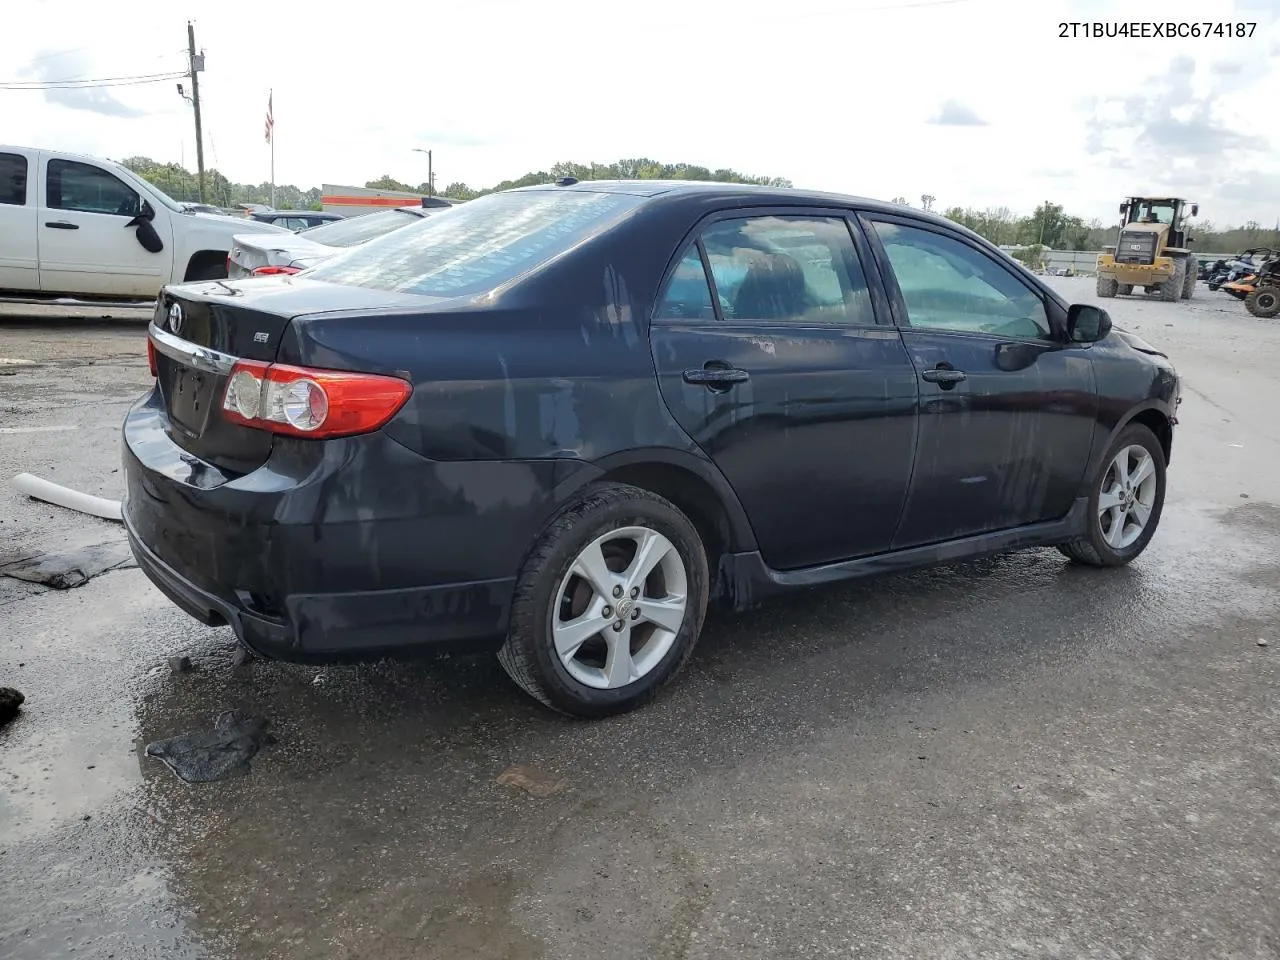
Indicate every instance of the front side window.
{"type": "Point", "coordinates": [13, 179]}
{"type": "Point", "coordinates": [83, 188]}
{"type": "Point", "coordinates": [475, 246]}
{"type": "Point", "coordinates": [800, 269]}
{"type": "Point", "coordinates": [948, 285]}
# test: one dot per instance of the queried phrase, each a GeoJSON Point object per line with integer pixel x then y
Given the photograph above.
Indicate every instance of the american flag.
{"type": "Point", "coordinates": [271, 122]}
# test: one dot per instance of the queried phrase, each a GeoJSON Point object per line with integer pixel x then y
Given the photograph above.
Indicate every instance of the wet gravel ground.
{"type": "Point", "coordinates": [1006, 758]}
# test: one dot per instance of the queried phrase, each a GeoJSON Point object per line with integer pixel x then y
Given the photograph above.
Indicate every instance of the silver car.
{"type": "Point", "coordinates": [263, 254]}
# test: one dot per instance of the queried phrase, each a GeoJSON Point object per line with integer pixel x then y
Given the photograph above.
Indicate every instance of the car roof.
{"type": "Point", "coordinates": [757, 194]}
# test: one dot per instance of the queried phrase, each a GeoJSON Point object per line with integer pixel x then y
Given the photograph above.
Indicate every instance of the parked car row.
{"type": "Point", "coordinates": [559, 422]}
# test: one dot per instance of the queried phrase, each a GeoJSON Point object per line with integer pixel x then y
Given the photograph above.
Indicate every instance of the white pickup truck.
{"type": "Point", "coordinates": [81, 227]}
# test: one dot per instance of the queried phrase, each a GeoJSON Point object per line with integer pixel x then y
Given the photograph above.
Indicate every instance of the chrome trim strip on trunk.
{"type": "Point", "coordinates": [191, 354]}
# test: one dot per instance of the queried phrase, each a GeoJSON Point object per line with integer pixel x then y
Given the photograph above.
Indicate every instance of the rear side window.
{"type": "Point", "coordinates": [13, 179]}
{"type": "Point", "coordinates": [88, 189]}
{"type": "Point", "coordinates": [477, 245]}
{"type": "Point", "coordinates": [802, 269]}
{"type": "Point", "coordinates": [687, 295]}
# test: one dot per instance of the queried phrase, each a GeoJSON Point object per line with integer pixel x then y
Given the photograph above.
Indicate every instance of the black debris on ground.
{"type": "Point", "coordinates": [180, 664]}
{"type": "Point", "coordinates": [202, 756]}
{"type": "Point", "coordinates": [10, 701]}
{"type": "Point", "coordinates": [71, 568]}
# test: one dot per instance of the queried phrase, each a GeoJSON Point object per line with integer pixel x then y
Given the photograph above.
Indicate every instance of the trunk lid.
{"type": "Point", "coordinates": [199, 331]}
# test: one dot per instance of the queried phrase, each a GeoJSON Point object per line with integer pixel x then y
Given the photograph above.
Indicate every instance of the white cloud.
{"type": "Point", "coordinates": [833, 94]}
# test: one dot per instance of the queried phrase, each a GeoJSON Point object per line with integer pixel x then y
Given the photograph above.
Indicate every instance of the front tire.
{"type": "Point", "coordinates": [609, 604]}
{"type": "Point", "coordinates": [1124, 289]}
{"type": "Point", "coordinates": [1189, 280]}
{"type": "Point", "coordinates": [1106, 287]}
{"type": "Point", "coordinates": [1171, 289]}
{"type": "Point", "coordinates": [1125, 502]}
{"type": "Point", "coordinates": [1264, 302]}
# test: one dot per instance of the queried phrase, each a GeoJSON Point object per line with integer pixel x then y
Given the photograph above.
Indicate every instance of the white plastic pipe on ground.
{"type": "Point", "coordinates": [41, 489]}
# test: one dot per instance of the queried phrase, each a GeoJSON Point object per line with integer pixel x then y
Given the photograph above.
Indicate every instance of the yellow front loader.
{"type": "Point", "coordinates": [1152, 251]}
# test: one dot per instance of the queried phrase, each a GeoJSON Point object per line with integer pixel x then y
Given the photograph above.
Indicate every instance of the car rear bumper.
{"type": "Point", "coordinates": [335, 550]}
{"type": "Point", "coordinates": [322, 628]}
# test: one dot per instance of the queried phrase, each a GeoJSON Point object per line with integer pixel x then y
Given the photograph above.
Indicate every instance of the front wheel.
{"type": "Point", "coordinates": [1264, 302]}
{"type": "Point", "coordinates": [609, 604]}
{"type": "Point", "coordinates": [1125, 503]}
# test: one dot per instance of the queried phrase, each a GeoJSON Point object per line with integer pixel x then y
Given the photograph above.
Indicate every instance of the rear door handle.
{"type": "Point", "coordinates": [716, 376]}
{"type": "Point", "coordinates": [944, 378]}
{"type": "Point", "coordinates": [62, 225]}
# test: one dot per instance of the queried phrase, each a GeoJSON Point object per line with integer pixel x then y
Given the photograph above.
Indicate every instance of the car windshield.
{"type": "Point", "coordinates": [358, 229]}
{"type": "Point", "coordinates": [478, 245]}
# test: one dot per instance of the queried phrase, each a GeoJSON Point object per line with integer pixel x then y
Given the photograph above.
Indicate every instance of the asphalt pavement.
{"type": "Point", "coordinates": [1006, 758]}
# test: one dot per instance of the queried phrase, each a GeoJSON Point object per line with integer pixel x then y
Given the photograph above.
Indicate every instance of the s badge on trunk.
{"type": "Point", "coordinates": [175, 317]}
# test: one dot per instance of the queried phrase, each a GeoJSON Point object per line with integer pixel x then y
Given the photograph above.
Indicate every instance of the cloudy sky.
{"type": "Point", "coordinates": [977, 102]}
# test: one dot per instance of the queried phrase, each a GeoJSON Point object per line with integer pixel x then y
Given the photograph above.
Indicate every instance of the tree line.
{"type": "Point", "coordinates": [1048, 225]}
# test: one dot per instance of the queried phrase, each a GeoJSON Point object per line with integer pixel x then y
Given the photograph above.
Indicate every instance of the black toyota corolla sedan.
{"type": "Point", "coordinates": [557, 422]}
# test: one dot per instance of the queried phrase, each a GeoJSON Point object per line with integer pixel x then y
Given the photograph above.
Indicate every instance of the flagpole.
{"type": "Point", "coordinates": [270, 99]}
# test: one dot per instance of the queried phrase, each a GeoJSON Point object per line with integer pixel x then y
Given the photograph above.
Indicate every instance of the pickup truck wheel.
{"type": "Point", "coordinates": [1125, 503]}
{"type": "Point", "coordinates": [609, 604]}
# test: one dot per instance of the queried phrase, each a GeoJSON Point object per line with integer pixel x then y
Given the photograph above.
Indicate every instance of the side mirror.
{"type": "Point", "coordinates": [1087, 323]}
{"type": "Point", "coordinates": [148, 212]}
{"type": "Point", "coordinates": [1123, 208]}
{"type": "Point", "coordinates": [1195, 209]}
{"type": "Point", "coordinates": [147, 236]}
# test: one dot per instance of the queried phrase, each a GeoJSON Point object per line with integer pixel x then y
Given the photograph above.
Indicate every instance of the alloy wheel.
{"type": "Point", "coordinates": [1127, 497]}
{"type": "Point", "coordinates": [619, 609]}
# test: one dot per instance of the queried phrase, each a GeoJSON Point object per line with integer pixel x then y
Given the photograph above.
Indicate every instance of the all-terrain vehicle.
{"type": "Point", "coordinates": [1238, 267]}
{"type": "Point", "coordinates": [1152, 250]}
{"type": "Point", "coordinates": [1259, 290]}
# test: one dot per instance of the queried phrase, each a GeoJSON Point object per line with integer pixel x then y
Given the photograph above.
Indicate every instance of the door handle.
{"type": "Point", "coordinates": [716, 377]}
{"type": "Point", "coordinates": [944, 377]}
{"type": "Point", "coordinates": [62, 225]}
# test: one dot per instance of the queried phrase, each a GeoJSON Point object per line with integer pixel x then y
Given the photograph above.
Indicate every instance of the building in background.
{"type": "Point", "coordinates": [353, 201]}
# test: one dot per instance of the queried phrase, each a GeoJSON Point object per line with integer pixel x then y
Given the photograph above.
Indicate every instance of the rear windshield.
{"type": "Point", "coordinates": [477, 245]}
{"type": "Point", "coordinates": [358, 229]}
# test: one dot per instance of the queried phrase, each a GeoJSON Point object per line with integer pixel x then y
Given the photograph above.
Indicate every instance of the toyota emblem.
{"type": "Point", "coordinates": [175, 317]}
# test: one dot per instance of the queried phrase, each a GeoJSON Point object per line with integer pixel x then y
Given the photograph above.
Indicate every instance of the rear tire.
{"type": "Point", "coordinates": [1106, 287]}
{"type": "Point", "coordinates": [1124, 505]}
{"type": "Point", "coordinates": [1124, 289]}
{"type": "Point", "coordinates": [637, 621]}
{"type": "Point", "coordinates": [1171, 289]}
{"type": "Point", "coordinates": [1264, 302]}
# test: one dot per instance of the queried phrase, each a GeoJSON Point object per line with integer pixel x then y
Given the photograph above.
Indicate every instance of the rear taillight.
{"type": "Point", "coordinates": [274, 271]}
{"type": "Point", "coordinates": [151, 356]}
{"type": "Point", "coordinates": [302, 402]}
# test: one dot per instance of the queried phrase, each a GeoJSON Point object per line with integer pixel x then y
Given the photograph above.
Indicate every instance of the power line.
{"type": "Point", "coordinates": [82, 84]}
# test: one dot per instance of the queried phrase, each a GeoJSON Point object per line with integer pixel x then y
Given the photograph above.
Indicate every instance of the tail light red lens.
{"type": "Point", "coordinates": [301, 402]}
{"type": "Point", "coordinates": [275, 271]}
{"type": "Point", "coordinates": [151, 356]}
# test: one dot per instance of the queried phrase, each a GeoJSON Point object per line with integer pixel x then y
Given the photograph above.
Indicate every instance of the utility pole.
{"type": "Point", "coordinates": [195, 66]}
{"type": "Point", "coordinates": [431, 177]}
